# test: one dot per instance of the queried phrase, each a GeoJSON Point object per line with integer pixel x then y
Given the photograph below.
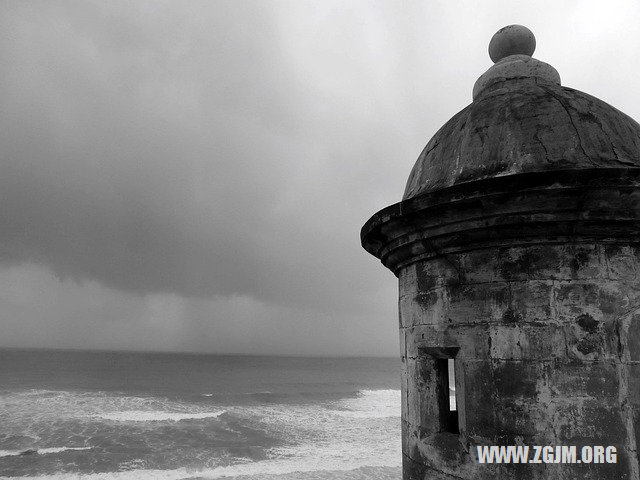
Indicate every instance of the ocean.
{"type": "Point", "coordinates": [115, 415]}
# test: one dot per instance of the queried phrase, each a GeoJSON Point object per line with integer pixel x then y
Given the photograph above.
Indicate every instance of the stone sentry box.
{"type": "Point", "coordinates": [517, 248]}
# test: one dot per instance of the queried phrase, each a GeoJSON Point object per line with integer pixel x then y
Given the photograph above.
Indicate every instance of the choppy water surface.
{"type": "Point", "coordinates": [95, 415]}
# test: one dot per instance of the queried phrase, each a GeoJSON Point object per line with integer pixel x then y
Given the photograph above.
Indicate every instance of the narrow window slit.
{"type": "Point", "coordinates": [438, 366]}
{"type": "Point", "coordinates": [452, 385]}
{"type": "Point", "coordinates": [446, 378]}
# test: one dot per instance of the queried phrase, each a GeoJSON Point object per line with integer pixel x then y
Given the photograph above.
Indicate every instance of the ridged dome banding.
{"type": "Point", "coordinates": [525, 125]}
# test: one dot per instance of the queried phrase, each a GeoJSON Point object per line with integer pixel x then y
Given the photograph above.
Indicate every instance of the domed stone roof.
{"type": "Point", "coordinates": [522, 120]}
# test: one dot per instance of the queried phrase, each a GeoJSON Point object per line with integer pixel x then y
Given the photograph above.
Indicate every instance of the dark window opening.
{"type": "Point", "coordinates": [439, 376]}
{"type": "Point", "coordinates": [446, 394]}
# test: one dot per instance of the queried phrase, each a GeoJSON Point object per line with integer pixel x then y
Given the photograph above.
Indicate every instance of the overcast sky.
{"type": "Point", "coordinates": [193, 175]}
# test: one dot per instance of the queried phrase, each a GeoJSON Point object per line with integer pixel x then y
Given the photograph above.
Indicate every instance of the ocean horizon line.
{"type": "Point", "coordinates": [192, 353]}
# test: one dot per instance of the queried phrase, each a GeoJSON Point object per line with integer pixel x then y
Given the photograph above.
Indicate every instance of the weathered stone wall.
{"type": "Point", "coordinates": [549, 354]}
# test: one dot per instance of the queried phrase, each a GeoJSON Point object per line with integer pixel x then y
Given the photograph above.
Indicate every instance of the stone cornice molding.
{"type": "Point", "coordinates": [599, 205]}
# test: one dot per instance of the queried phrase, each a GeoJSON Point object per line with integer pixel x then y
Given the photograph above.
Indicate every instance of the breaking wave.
{"type": "Point", "coordinates": [39, 451]}
{"type": "Point", "coordinates": [357, 437]}
{"type": "Point", "coordinates": [371, 404]}
{"type": "Point", "coordinates": [155, 416]}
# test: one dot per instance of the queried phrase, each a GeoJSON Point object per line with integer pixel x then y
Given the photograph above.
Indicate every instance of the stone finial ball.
{"type": "Point", "coordinates": [511, 40]}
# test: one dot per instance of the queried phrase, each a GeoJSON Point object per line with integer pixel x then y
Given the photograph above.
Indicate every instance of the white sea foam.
{"type": "Point", "coordinates": [371, 404]}
{"type": "Point", "coordinates": [10, 453]}
{"type": "Point", "coordinates": [320, 437]}
{"type": "Point", "coordinates": [45, 405]}
{"type": "Point", "coordinates": [258, 469]}
{"type": "Point", "coordinates": [60, 449]}
{"type": "Point", "coordinates": [246, 393]}
{"type": "Point", "coordinates": [40, 451]}
{"type": "Point", "coordinates": [155, 416]}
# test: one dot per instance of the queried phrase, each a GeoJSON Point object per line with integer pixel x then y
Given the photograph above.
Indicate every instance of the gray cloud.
{"type": "Point", "coordinates": [223, 149]}
{"type": "Point", "coordinates": [170, 152]}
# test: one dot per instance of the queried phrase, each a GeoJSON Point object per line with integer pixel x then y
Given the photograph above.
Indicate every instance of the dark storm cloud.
{"type": "Point", "coordinates": [164, 148]}
{"type": "Point", "coordinates": [234, 148]}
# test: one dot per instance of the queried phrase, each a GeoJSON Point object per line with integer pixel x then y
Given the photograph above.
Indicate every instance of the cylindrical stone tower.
{"type": "Point", "coordinates": [517, 248]}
